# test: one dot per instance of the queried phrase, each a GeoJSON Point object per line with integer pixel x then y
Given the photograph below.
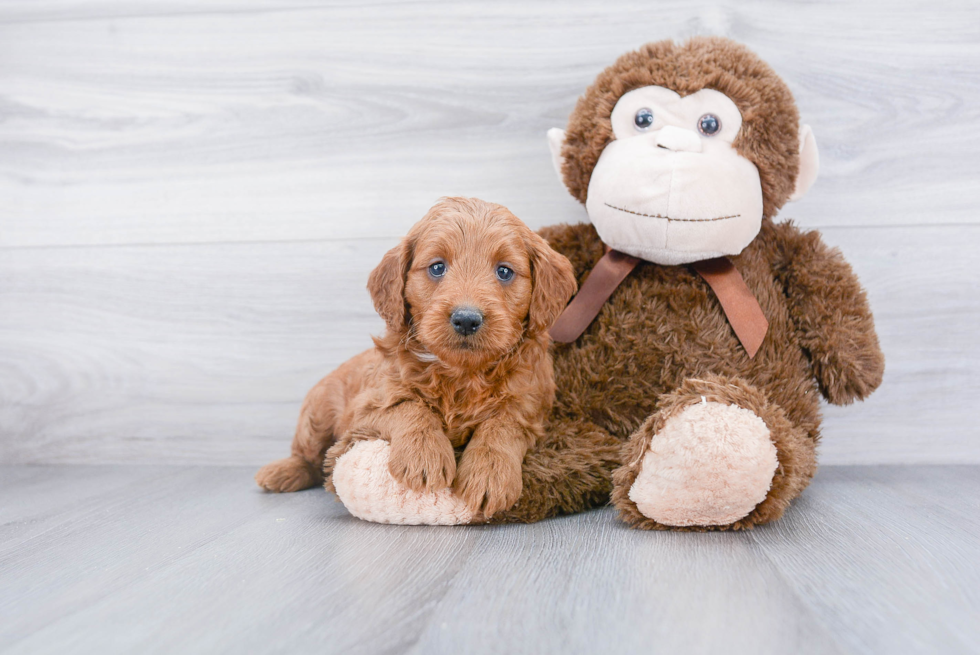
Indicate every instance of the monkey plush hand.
{"type": "Point", "coordinates": [704, 331]}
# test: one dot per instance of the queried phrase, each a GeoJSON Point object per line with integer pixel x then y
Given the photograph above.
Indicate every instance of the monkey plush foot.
{"type": "Point", "coordinates": [369, 492]}
{"type": "Point", "coordinates": [710, 464]}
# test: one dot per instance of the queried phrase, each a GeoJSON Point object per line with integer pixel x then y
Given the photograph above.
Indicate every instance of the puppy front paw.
{"type": "Point", "coordinates": [488, 482]}
{"type": "Point", "coordinates": [425, 463]}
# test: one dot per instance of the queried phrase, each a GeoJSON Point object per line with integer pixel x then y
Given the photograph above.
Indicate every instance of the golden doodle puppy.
{"type": "Point", "coordinates": [468, 297]}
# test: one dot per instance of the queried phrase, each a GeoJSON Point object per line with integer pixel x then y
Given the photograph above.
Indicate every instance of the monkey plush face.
{"type": "Point", "coordinates": [671, 188]}
{"type": "Point", "coordinates": [672, 173]}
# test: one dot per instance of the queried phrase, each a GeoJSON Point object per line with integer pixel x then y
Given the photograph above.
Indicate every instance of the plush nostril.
{"type": "Point", "coordinates": [678, 139]}
{"type": "Point", "coordinates": [466, 320]}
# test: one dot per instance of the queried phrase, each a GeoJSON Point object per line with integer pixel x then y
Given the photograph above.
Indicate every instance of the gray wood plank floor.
{"type": "Point", "coordinates": [124, 559]}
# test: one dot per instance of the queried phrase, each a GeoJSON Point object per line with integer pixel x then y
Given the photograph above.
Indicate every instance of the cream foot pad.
{"type": "Point", "coordinates": [369, 492]}
{"type": "Point", "coordinates": [711, 464]}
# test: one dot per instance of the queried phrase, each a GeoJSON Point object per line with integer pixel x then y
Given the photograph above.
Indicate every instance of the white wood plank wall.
{"type": "Point", "coordinates": [193, 193]}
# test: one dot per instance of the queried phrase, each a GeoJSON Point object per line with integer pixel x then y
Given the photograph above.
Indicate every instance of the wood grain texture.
{"type": "Point", "coordinates": [202, 353]}
{"type": "Point", "coordinates": [893, 527]}
{"type": "Point", "coordinates": [348, 120]}
{"type": "Point", "coordinates": [193, 193]}
{"type": "Point", "coordinates": [197, 560]}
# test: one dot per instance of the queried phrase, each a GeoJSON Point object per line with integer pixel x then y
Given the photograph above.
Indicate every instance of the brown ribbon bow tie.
{"type": "Point", "coordinates": [737, 301]}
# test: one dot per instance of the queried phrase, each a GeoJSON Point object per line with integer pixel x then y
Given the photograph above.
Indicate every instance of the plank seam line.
{"type": "Point", "coordinates": [178, 14]}
{"type": "Point", "coordinates": [395, 237]}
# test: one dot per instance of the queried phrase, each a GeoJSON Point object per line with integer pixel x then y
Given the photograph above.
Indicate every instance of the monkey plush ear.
{"type": "Point", "coordinates": [387, 285]}
{"type": "Point", "coordinates": [556, 139]}
{"type": "Point", "coordinates": [553, 284]}
{"type": "Point", "coordinates": [809, 163]}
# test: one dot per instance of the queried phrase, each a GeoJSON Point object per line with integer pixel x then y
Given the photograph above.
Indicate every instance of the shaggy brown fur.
{"type": "Point", "coordinates": [428, 389]}
{"type": "Point", "coordinates": [662, 340]}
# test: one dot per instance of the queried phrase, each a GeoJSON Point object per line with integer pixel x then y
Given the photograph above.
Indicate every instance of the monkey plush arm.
{"type": "Point", "coordinates": [832, 317]}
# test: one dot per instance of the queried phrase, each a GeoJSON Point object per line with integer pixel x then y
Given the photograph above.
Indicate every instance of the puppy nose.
{"type": "Point", "coordinates": [466, 320]}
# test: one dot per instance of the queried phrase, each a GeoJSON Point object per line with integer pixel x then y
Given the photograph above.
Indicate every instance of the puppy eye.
{"type": "Point", "coordinates": [643, 119]}
{"type": "Point", "coordinates": [709, 125]}
{"type": "Point", "coordinates": [437, 269]}
{"type": "Point", "coordinates": [504, 273]}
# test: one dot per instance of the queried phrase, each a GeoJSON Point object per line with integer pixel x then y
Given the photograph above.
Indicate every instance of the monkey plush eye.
{"type": "Point", "coordinates": [709, 125]}
{"type": "Point", "coordinates": [643, 119]}
{"type": "Point", "coordinates": [437, 269]}
{"type": "Point", "coordinates": [505, 273]}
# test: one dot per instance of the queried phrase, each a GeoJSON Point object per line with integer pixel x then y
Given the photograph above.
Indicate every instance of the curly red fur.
{"type": "Point", "coordinates": [427, 389]}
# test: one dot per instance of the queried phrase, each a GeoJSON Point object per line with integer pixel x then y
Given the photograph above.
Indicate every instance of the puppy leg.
{"type": "Point", "coordinates": [489, 476]}
{"type": "Point", "coordinates": [314, 434]}
{"type": "Point", "coordinates": [317, 429]}
{"type": "Point", "coordinates": [422, 458]}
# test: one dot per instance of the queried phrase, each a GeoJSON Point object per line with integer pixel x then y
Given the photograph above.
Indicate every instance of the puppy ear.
{"type": "Point", "coordinates": [553, 284]}
{"type": "Point", "coordinates": [387, 285]}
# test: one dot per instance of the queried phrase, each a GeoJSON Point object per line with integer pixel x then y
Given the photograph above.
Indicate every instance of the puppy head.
{"type": "Point", "coordinates": [469, 282]}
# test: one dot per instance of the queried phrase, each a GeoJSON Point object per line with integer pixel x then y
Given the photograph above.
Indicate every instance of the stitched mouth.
{"type": "Point", "coordinates": [668, 218]}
